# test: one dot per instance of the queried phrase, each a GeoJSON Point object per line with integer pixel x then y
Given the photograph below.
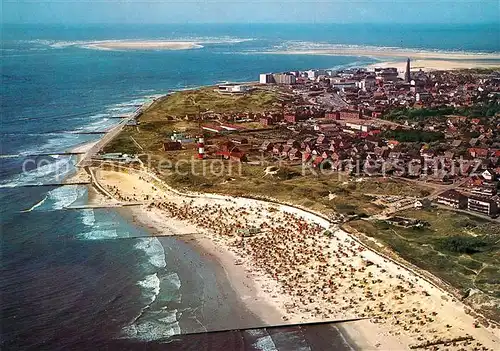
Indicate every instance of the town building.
{"type": "Point", "coordinates": [172, 145]}
{"type": "Point", "coordinates": [266, 78]}
{"type": "Point", "coordinates": [482, 205]}
{"type": "Point", "coordinates": [407, 72]}
{"type": "Point", "coordinates": [284, 78]}
{"type": "Point", "coordinates": [453, 199]}
{"type": "Point", "coordinates": [233, 89]}
{"type": "Point", "coordinates": [389, 74]}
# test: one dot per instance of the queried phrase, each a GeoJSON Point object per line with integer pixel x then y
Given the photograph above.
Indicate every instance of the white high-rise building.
{"type": "Point", "coordinates": [266, 78]}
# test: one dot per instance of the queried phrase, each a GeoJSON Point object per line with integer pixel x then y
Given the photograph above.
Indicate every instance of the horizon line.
{"type": "Point", "coordinates": [251, 23]}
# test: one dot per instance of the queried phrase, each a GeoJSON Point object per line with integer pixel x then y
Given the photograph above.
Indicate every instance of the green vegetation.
{"type": "Point", "coordinates": [410, 136]}
{"type": "Point", "coordinates": [403, 114]}
{"type": "Point", "coordinates": [194, 102]}
{"type": "Point", "coordinates": [463, 244]}
{"type": "Point", "coordinates": [460, 249]}
{"type": "Point", "coordinates": [481, 110]}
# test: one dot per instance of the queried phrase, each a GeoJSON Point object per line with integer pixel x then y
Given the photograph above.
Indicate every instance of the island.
{"type": "Point", "coordinates": [366, 195]}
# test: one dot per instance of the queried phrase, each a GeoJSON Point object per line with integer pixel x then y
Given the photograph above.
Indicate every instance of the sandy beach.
{"type": "Point", "coordinates": [396, 57]}
{"type": "Point", "coordinates": [372, 51]}
{"type": "Point", "coordinates": [143, 45]}
{"type": "Point", "coordinates": [291, 271]}
{"type": "Point", "coordinates": [433, 65]}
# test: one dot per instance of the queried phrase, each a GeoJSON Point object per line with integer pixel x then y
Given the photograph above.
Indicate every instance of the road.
{"type": "Point", "coordinates": [110, 135]}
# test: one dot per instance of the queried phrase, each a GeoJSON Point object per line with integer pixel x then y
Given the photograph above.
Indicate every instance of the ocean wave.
{"type": "Point", "coordinates": [100, 125]}
{"type": "Point", "coordinates": [88, 217]}
{"type": "Point", "coordinates": [150, 287]}
{"type": "Point", "coordinates": [155, 323]}
{"type": "Point", "coordinates": [154, 250]}
{"type": "Point", "coordinates": [64, 196]}
{"type": "Point", "coordinates": [99, 235]}
{"type": "Point", "coordinates": [150, 330]}
{"type": "Point", "coordinates": [39, 203]}
{"type": "Point", "coordinates": [45, 173]}
{"type": "Point", "coordinates": [265, 343]}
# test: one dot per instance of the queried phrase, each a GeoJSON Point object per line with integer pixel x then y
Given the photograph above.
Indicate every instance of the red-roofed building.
{"type": "Point", "coordinates": [350, 114]}
{"type": "Point", "coordinates": [213, 129]}
{"type": "Point", "coordinates": [306, 156]}
{"type": "Point", "coordinates": [478, 152]}
{"type": "Point", "coordinates": [266, 121]}
{"type": "Point", "coordinates": [231, 127]}
{"type": "Point", "coordinates": [317, 161]}
{"type": "Point", "coordinates": [232, 155]}
{"type": "Point", "coordinates": [291, 118]}
{"type": "Point", "coordinates": [392, 143]}
{"type": "Point", "coordinates": [332, 115]}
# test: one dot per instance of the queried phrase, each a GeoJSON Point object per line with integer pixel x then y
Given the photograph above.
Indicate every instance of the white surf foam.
{"type": "Point", "coordinates": [150, 287]}
{"type": "Point", "coordinates": [154, 250]}
{"type": "Point", "coordinates": [39, 203]}
{"type": "Point", "coordinates": [63, 196]}
{"type": "Point", "coordinates": [46, 172]}
{"type": "Point", "coordinates": [88, 217]}
{"type": "Point", "coordinates": [264, 341]}
{"type": "Point", "coordinates": [150, 330]}
{"type": "Point", "coordinates": [99, 234]}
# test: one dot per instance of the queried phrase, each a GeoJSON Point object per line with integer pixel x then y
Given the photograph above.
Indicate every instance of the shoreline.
{"type": "Point", "coordinates": [250, 291]}
{"type": "Point", "coordinates": [365, 334]}
{"type": "Point", "coordinates": [391, 53]}
{"type": "Point", "coordinates": [434, 65]}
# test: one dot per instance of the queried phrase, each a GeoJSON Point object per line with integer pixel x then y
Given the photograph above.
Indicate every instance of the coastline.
{"type": "Point", "coordinates": [432, 64]}
{"type": "Point", "coordinates": [365, 334]}
{"type": "Point", "coordinates": [259, 294]}
{"type": "Point", "coordinates": [254, 306]}
{"type": "Point", "coordinates": [427, 60]}
{"type": "Point", "coordinates": [391, 53]}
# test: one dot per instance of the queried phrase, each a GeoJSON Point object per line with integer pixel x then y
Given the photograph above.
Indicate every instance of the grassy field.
{"type": "Point", "coordinates": [192, 102]}
{"type": "Point", "coordinates": [168, 114]}
{"type": "Point", "coordinates": [334, 193]}
{"type": "Point", "coordinates": [460, 249]}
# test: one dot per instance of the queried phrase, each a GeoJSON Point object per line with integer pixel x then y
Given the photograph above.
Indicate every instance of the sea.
{"type": "Point", "coordinates": [91, 279]}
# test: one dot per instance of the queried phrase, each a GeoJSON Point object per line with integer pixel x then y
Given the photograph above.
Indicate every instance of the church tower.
{"type": "Point", "coordinates": [407, 73]}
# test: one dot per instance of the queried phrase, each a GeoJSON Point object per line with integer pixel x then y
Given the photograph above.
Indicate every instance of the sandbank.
{"type": "Point", "coordinates": [143, 45]}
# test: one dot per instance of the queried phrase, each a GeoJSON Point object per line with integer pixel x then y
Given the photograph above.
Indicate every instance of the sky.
{"type": "Point", "coordinates": [250, 11]}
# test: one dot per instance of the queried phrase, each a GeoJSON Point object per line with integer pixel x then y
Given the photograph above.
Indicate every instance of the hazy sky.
{"type": "Point", "coordinates": [231, 11]}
